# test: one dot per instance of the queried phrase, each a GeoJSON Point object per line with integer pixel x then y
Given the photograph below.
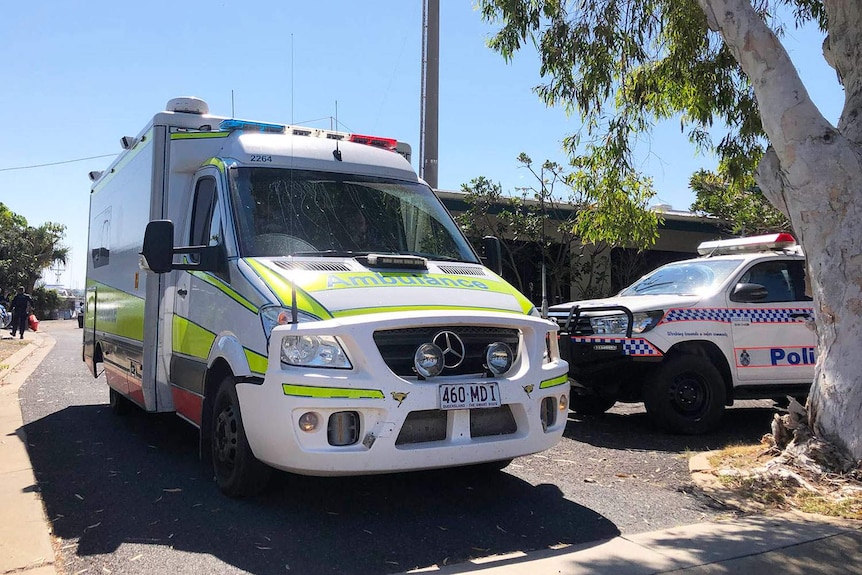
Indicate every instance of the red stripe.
{"type": "Point", "coordinates": [188, 404]}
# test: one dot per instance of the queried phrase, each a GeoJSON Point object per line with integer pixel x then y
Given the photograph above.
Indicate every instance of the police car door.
{"type": "Point", "coordinates": [772, 339]}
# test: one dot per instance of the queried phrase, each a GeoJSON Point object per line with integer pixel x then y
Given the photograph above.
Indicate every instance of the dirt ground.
{"type": "Point", "coordinates": [8, 346]}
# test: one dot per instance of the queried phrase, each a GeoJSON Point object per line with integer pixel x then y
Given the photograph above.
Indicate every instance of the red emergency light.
{"type": "Point", "coordinates": [763, 243]}
{"type": "Point", "coordinates": [377, 142]}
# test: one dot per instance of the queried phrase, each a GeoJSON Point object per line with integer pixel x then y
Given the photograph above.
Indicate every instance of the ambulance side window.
{"type": "Point", "coordinates": [206, 222]}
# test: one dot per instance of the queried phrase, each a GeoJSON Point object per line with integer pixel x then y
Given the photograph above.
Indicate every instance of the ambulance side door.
{"type": "Point", "coordinates": [772, 338]}
{"type": "Point", "coordinates": [196, 301]}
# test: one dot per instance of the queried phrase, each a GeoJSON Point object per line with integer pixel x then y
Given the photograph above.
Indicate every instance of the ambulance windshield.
{"type": "Point", "coordinates": [691, 277]}
{"type": "Point", "coordinates": [283, 212]}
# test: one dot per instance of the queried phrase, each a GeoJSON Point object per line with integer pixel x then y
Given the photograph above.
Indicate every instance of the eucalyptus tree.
{"type": "Point", "coordinates": [624, 64]}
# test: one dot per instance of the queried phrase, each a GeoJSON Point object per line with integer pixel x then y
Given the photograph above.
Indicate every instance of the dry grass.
{"type": "Point", "coordinates": [9, 346]}
{"type": "Point", "coordinates": [745, 471]}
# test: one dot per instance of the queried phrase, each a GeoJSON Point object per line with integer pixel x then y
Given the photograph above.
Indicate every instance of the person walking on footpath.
{"type": "Point", "coordinates": [20, 305]}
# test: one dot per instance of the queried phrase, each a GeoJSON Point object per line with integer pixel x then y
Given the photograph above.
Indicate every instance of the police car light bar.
{"type": "Point", "coordinates": [232, 125]}
{"type": "Point", "coordinates": [751, 244]}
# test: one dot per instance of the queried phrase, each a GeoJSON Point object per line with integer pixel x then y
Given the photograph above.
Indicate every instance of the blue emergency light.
{"type": "Point", "coordinates": [244, 125]}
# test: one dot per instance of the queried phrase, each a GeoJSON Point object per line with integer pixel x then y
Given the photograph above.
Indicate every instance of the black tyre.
{"type": "Point", "coordinates": [590, 404]}
{"type": "Point", "coordinates": [237, 471]}
{"type": "Point", "coordinates": [686, 395]}
{"type": "Point", "coordinates": [119, 404]}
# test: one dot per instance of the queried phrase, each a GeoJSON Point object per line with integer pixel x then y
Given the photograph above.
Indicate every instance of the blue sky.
{"type": "Point", "coordinates": [79, 74]}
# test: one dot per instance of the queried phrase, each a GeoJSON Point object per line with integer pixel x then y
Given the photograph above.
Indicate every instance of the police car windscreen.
{"type": "Point", "coordinates": [684, 278]}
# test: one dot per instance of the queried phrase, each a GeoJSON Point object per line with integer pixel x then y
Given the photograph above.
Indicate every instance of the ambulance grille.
{"type": "Point", "coordinates": [462, 270]}
{"type": "Point", "coordinates": [397, 346]}
{"type": "Point", "coordinates": [431, 425]}
{"type": "Point", "coordinates": [313, 266]}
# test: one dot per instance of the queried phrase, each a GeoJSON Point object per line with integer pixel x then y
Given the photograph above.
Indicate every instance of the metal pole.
{"type": "Point", "coordinates": [428, 150]}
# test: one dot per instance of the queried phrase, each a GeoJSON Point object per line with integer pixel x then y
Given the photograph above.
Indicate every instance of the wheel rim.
{"type": "Point", "coordinates": [226, 436]}
{"type": "Point", "coordinates": [690, 395]}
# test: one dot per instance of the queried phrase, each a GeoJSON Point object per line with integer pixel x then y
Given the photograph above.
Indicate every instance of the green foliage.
{"type": "Point", "coordinates": [590, 214]}
{"type": "Point", "coordinates": [745, 210]}
{"type": "Point", "coordinates": [45, 302]}
{"type": "Point", "coordinates": [26, 251]}
{"type": "Point", "coordinates": [622, 65]}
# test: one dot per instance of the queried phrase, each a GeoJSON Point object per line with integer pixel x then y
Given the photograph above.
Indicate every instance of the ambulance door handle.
{"type": "Point", "coordinates": [182, 292]}
{"type": "Point", "coordinates": [798, 315]}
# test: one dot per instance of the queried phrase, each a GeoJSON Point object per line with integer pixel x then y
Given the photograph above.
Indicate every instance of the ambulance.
{"type": "Point", "coordinates": [693, 336]}
{"type": "Point", "coordinates": [305, 300]}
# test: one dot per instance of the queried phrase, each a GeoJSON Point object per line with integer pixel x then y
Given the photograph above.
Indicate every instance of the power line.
{"type": "Point", "coordinates": [56, 163]}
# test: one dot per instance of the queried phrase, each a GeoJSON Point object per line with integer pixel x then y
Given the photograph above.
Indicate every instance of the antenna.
{"type": "Point", "coordinates": [336, 153]}
{"type": "Point", "coordinates": [292, 99]}
{"type": "Point", "coordinates": [232, 112]}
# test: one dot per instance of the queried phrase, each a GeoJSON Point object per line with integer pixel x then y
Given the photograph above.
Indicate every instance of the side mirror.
{"type": "Point", "coordinates": [158, 250]}
{"type": "Point", "coordinates": [749, 293]}
{"type": "Point", "coordinates": [493, 254]}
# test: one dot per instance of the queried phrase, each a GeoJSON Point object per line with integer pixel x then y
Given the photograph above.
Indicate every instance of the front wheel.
{"type": "Point", "coordinates": [590, 404]}
{"type": "Point", "coordinates": [237, 471]}
{"type": "Point", "coordinates": [686, 395]}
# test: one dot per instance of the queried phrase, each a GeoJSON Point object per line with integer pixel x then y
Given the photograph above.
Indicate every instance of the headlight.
{"type": "Point", "coordinates": [273, 315]}
{"type": "Point", "coordinates": [498, 358]}
{"type": "Point", "coordinates": [618, 324]}
{"type": "Point", "coordinates": [313, 351]}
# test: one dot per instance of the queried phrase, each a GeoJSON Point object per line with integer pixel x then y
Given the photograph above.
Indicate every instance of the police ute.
{"type": "Point", "coordinates": [693, 336]}
{"type": "Point", "coordinates": [306, 301]}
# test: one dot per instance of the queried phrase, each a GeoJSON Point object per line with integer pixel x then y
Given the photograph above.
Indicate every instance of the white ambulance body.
{"type": "Point", "coordinates": [693, 336]}
{"type": "Point", "coordinates": [325, 314]}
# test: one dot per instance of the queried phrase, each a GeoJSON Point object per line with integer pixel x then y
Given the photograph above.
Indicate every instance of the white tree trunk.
{"type": "Point", "coordinates": [813, 173]}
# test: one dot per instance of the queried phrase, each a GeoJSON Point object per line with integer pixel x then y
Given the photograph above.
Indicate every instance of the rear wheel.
{"type": "Point", "coordinates": [686, 395]}
{"type": "Point", "coordinates": [237, 471]}
{"type": "Point", "coordinates": [119, 404]}
{"type": "Point", "coordinates": [590, 404]}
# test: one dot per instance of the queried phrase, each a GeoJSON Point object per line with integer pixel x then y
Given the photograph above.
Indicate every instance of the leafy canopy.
{"type": "Point", "coordinates": [25, 251]}
{"type": "Point", "coordinates": [624, 64]}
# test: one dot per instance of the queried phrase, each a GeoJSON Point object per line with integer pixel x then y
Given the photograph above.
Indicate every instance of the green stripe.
{"type": "Point", "coordinates": [257, 363]}
{"type": "Point", "coordinates": [198, 135]}
{"type": "Point", "coordinates": [117, 312]}
{"type": "Point", "coordinates": [554, 382]}
{"type": "Point", "coordinates": [331, 392]}
{"type": "Point", "coordinates": [385, 309]}
{"type": "Point", "coordinates": [226, 289]}
{"type": "Point", "coordinates": [282, 289]}
{"type": "Point", "coordinates": [191, 339]}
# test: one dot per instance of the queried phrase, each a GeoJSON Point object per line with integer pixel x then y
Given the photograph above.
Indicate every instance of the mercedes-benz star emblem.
{"type": "Point", "coordinates": [452, 346]}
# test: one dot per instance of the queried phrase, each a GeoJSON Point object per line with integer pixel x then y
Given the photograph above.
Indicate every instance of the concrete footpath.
{"type": "Point", "coordinates": [762, 544]}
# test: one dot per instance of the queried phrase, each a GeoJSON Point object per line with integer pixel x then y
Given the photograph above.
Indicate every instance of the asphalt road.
{"type": "Point", "coordinates": [129, 495]}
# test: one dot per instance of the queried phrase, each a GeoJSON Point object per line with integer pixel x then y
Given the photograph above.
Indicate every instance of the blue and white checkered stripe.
{"type": "Point", "coordinates": [635, 347]}
{"type": "Point", "coordinates": [727, 315]}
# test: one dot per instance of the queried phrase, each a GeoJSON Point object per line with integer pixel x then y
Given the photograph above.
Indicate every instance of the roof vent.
{"type": "Point", "coordinates": [188, 105]}
{"type": "Point", "coordinates": [662, 208]}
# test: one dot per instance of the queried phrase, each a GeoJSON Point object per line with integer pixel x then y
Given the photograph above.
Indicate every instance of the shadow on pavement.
{"type": "Point", "coordinates": [108, 481]}
{"type": "Point", "coordinates": [630, 428]}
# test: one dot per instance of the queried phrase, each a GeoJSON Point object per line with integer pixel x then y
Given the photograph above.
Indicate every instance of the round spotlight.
{"type": "Point", "coordinates": [564, 402]}
{"type": "Point", "coordinates": [498, 358]}
{"type": "Point", "coordinates": [428, 360]}
{"type": "Point", "coordinates": [308, 421]}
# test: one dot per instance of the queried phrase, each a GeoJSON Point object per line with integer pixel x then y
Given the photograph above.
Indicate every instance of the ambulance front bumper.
{"type": "Point", "coordinates": [370, 420]}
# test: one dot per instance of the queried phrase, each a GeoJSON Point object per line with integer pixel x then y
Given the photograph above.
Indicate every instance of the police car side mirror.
{"type": "Point", "coordinates": [749, 293]}
{"type": "Point", "coordinates": [158, 250]}
{"type": "Point", "coordinates": [493, 254]}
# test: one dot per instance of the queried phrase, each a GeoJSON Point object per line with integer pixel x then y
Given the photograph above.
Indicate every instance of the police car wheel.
{"type": "Point", "coordinates": [686, 395]}
{"type": "Point", "coordinates": [237, 472]}
{"type": "Point", "coordinates": [590, 404]}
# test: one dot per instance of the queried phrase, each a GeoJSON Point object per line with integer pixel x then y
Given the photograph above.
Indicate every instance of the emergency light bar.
{"type": "Point", "coordinates": [751, 244]}
{"type": "Point", "coordinates": [233, 125]}
{"type": "Point", "coordinates": [248, 126]}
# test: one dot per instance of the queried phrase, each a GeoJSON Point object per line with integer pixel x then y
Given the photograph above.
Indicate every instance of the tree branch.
{"type": "Point", "coordinates": [788, 115]}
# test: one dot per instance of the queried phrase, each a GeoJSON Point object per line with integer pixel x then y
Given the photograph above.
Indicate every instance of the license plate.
{"type": "Point", "coordinates": [469, 395]}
